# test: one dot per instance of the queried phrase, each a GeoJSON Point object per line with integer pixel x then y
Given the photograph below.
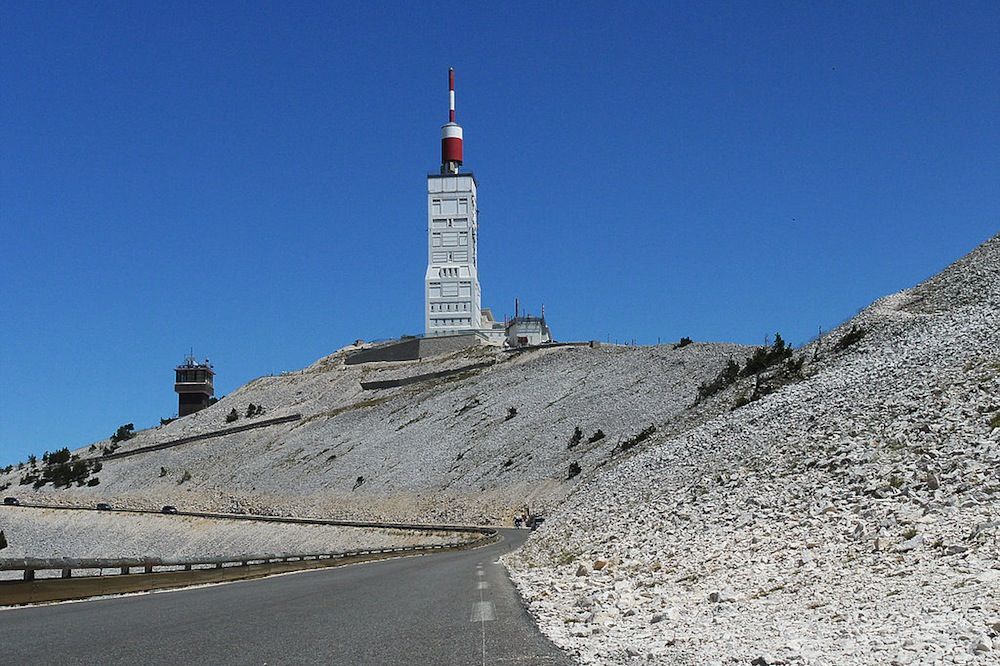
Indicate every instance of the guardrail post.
{"type": "Point", "coordinates": [187, 567]}
{"type": "Point", "coordinates": [67, 573]}
{"type": "Point", "coordinates": [124, 571]}
{"type": "Point", "coordinates": [218, 565]}
{"type": "Point", "coordinates": [148, 568]}
{"type": "Point", "coordinates": [29, 574]}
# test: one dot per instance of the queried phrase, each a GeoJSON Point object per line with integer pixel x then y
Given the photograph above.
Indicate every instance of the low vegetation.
{"type": "Point", "coordinates": [849, 338]}
{"type": "Point", "coordinates": [684, 342]}
{"type": "Point", "coordinates": [635, 440]}
{"type": "Point", "coordinates": [62, 470]}
{"type": "Point", "coordinates": [763, 358]}
{"type": "Point", "coordinates": [124, 433]}
{"type": "Point", "coordinates": [576, 438]}
{"type": "Point", "coordinates": [574, 470]}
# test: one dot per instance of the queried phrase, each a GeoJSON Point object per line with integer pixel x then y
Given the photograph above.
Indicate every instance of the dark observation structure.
{"type": "Point", "coordinates": [193, 384]}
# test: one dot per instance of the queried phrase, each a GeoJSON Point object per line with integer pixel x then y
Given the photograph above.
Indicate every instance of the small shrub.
{"type": "Point", "coordinates": [576, 438]}
{"type": "Point", "coordinates": [638, 439]}
{"type": "Point", "coordinates": [728, 375]}
{"type": "Point", "coordinates": [163, 472]}
{"type": "Point", "coordinates": [684, 342]}
{"type": "Point", "coordinates": [123, 433]}
{"type": "Point", "coordinates": [597, 436]}
{"type": "Point", "coordinates": [164, 421]}
{"type": "Point", "coordinates": [186, 476]}
{"type": "Point", "coordinates": [511, 413]}
{"type": "Point", "coordinates": [358, 482]}
{"type": "Point", "coordinates": [93, 482]}
{"type": "Point", "coordinates": [510, 461]}
{"type": "Point", "coordinates": [852, 336]}
{"type": "Point", "coordinates": [995, 421]}
{"type": "Point", "coordinates": [32, 460]}
{"type": "Point", "coordinates": [93, 447]}
{"type": "Point", "coordinates": [574, 470]}
{"type": "Point", "coordinates": [765, 357]}
{"type": "Point", "coordinates": [232, 416]}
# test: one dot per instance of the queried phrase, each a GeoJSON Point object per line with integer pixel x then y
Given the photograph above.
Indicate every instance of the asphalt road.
{"type": "Point", "coordinates": [441, 609]}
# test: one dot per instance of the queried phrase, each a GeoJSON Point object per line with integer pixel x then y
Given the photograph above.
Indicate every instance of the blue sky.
{"type": "Point", "coordinates": [248, 179]}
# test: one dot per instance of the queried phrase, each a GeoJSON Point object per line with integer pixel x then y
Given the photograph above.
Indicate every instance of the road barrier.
{"type": "Point", "coordinates": [197, 438]}
{"type": "Point", "coordinates": [145, 574]}
{"type": "Point", "coordinates": [426, 377]}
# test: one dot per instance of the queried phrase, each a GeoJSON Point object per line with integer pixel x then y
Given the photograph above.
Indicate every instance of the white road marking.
{"type": "Point", "coordinates": [482, 585]}
{"type": "Point", "coordinates": [480, 573]}
{"type": "Point", "coordinates": [483, 611]}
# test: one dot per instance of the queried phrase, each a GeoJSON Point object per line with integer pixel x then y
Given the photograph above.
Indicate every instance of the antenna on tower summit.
{"type": "Point", "coordinates": [451, 133]}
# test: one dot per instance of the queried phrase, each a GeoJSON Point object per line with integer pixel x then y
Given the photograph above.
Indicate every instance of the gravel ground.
{"type": "Point", "coordinates": [852, 517]}
{"type": "Point", "coordinates": [441, 451]}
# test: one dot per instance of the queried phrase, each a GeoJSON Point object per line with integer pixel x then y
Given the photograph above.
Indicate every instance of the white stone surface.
{"type": "Point", "coordinates": [850, 518]}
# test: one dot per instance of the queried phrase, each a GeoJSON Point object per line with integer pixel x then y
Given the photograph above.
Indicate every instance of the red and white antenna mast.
{"type": "Point", "coordinates": [451, 133]}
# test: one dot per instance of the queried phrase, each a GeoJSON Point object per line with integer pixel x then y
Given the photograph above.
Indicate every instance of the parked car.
{"type": "Point", "coordinates": [103, 506]}
{"type": "Point", "coordinates": [10, 501]}
{"type": "Point", "coordinates": [168, 509]}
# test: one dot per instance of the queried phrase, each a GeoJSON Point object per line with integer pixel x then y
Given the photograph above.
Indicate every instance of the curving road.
{"type": "Point", "coordinates": [446, 608]}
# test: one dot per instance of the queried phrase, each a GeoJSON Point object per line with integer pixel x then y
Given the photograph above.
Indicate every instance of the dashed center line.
{"type": "Point", "coordinates": [482, 585]}
{"type": "Point", "coordinates": [483, 611]}
{"type": "Point", "coordinates": [480, 573]}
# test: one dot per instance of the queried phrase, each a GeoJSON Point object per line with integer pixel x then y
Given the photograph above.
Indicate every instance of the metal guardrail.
{"type": "Point", "coordinates": [197, 438]}
{"type": "Point", "coordinates": [426, 377]}
{"type": "Point", "coordinates": [148, 573]}
{"type": "Point", "coordinates": [149, 564]}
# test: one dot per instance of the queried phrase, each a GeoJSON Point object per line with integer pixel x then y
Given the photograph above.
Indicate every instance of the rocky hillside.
{"type": "Point", "coordinates": [478, 446]}
{"type": "Point", "coordinates": [851, 516]}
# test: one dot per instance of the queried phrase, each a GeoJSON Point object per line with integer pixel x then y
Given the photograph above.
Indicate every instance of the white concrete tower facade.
{"type": "Point", "coordinates": [452, 301]}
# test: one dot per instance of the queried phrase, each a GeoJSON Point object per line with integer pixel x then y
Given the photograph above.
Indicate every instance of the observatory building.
{"type": "Point", "coordinates": [193, 384]}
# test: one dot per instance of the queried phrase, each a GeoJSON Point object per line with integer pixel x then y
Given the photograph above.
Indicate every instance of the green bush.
{"type": "Point", "coordinates": [232, 416]}
{"type": "Point", "coordinates": [638, 439]}
{"type": "Point", "coordinates": [852, 336]}
{"type": "Point", "coordinates": [765, 357]}
{"type": "Point", "coordinates": [574, 470]}
{"type": "Point", "coordinates": [727, 376]}
{"type": "Point", "coordinates": [123, 433]}
{"type": "Point", "coordinates": [576, 438]}
{"type": "Point", "coordinates": [684, 342]}
{"type": "Point", "coordinates": [511, 413]}
{"type": "Point", "coordinates": [597, 436]}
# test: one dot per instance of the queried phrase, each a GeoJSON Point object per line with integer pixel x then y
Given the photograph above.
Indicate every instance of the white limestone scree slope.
{"type": "Point", "coordinates": [453, 300]}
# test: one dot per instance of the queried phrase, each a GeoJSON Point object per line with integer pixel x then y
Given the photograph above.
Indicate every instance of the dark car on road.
{"type": "Point", "coordinates": [10, 501]}
{"type": "Point", "coordinates": [168, 509]}
{"type": "Point", "coordinates": [103, 506]}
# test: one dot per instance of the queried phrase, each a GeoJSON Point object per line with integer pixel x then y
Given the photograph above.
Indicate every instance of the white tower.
{"type": "Point", "coordinates": [451, 285]}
